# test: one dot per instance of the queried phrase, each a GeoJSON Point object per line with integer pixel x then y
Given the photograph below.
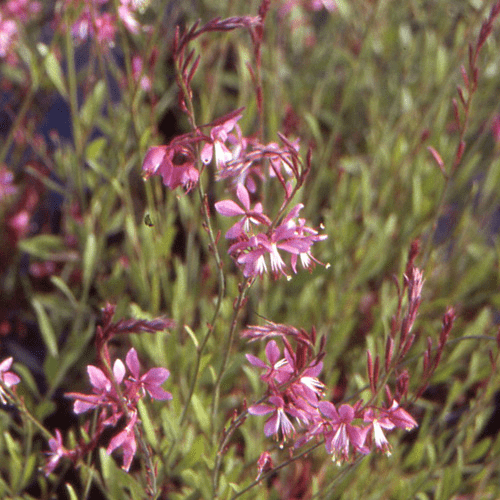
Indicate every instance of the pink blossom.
{"type": "Point", "coordinates": [399, 417]}
{"type": "Point", "coordinates": [229, 208]}
{"type": "Point", "coordinates": [343, 433]}
{"type": "Point", "coordinates": [106, 28]}
{"type": "Point", "coordinates": [278, 422]}
{"type": "Point", "coordinates": [219, 135]}
{"type": "Point", "coordinates": [289, 236]}
{"type": "Point", "coordinates": [278, 368]}
{"type": "Point", "coordinates": [8, 34]}
{"type": "Point", "coordinates": [151, 381]}
{"type": "Point", "coordinates": [57, 451]}
{"type": "Point", "coordinates": [104, 393]}
{"type": "Point", "coordinates": [125, 440]}
{"type": "Point", "coordinates": [377, 424]}
{"type": "Point", "coordinates": [22, 9]}
{"type": "Point", "coordinates": [174, 163]}
{"type": "Point", "coordinates": [265, 463]}
{"type": "Point", "coordinates": [8, 378]}
{"type": "Point", "coordinates": [144, 80]}
{"type": "Point", "coordinates": [127, 17]}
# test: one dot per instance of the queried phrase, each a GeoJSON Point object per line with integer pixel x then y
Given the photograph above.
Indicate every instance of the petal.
{"type": "Point", "coordinates": [260, 409]}
{"type": "Point", "coordinates": [346, 413]}
{"type": "Point", "coordinates": [229, 208]}
{"type": "Point", "coordinates": [119, 371]}
{"type": "Point", "coordinates": [153, 159]}
{"type": "Point", "coordinates": [98, 379]}
{"type": "Point", "coordinates": [207, 153]}
{"type": "Point", "coordinates": [6, 364]}
{"type": "Point", "coordinates": [82, 406]}
{"type": "Point", "coordinates": [329, 410]}
{"type": "Point", "coordinates": [158, 393]}
{"type": "Point", "coordinates": [155, 376]}
{"type": "Point", "coordinates": [272, 425]}
{"type": "Point", "coordinates": [11, 379]}
{"type": "Point", "coordinates": [243, 196]}
{"type": "Point", "coordinates": [133, 364]}
{"type": "Point", "coordinates": [273, 353]}
{"type": "Point", "coordinates": [253, 360]}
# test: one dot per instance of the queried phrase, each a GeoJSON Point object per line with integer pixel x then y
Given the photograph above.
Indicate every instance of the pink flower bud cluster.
{"type": "Point", "coordinates": [295, 406]}
{"type": "Point", "coordinates": [114, 398]}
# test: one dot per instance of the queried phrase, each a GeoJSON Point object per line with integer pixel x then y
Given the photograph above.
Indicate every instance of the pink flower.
{"type": "Point", "coordinates": [8, 33]}
{"type": "Point", "coordinates": [57, 451]}
{"type": "Point", "coordinates": [278, 421]}
{"type": "Point", "coordinates": [151, 381]}
{"type": "Point", "coordinates": [229, 208]}
{"type": "Point", "coordinates": [377, 425]}
{"type": "Point", "coordinates": [343, 433]}
{"type": "Point", "coordinates": [219, 135]}
{"type": "Point", "coordinates": [289, 236]}
{"type": "Point", "coordinates": [127, 17]}
{"type": "Point", "coordinates": [125, 440]}
{"type": "Point", "coordinates": [9, 379]}
{"type": "Point", "coordinates": [174, 163]}
{"type": "Point", "coordinates": [399, 417]}
{"type": "Point", "coordinates": [106, 28]}
{"type": "Point", "coordinates": [278, 368]}
{"type": "Point", "coordinates": [104, 393]}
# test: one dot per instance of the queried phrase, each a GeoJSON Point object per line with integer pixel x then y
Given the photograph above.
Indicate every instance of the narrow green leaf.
{"type": "Point", "coordinates": [200, 412]}
{"type": "Point", "coordinates": [89, 260]}
{"type": "Point", "coordinates": [93, 103]}
{"type": "Point", "coordinates": [64, 288]}
{"type": "Point", "coordinates": [46, 247]}
{"type": "Point", "coordinates": [71, 492]}
{"type": "Point", "coordinates": [48, 334]}
{"type": "Point", "coordinates": [54, 72]}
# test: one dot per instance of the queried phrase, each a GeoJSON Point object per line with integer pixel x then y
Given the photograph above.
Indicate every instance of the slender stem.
{"type": "Point", "coordinates": [17, 122]}
{"type": "Point", "coordinates": [18, 402]}
{"type": "Point", "coordinates": [220, 296]}
{"type": "Point", "coordinates": [237, 308]}
{"type": "Point", "coordinates": [277, 468]}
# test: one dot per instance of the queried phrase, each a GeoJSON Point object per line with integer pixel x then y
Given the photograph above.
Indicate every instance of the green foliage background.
{"type": "Point", "coordinates": [370, 94]}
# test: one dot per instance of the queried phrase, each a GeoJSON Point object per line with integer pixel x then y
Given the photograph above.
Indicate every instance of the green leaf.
{"type": "Point", "coordinates": [71, 492]}
{"type": "Point", "coordinates": [89, 260]}
{"type": "Point", "coordinates": [92, 105]}
{"type": "Point", "coordinates": [48, 334]}
{"type": "Point", "coordinates": [479, 450]}
{"type": "Point", "coordinates": [64, 288]}
{"type": "Point", "coordinates": [47, 247]}
{"type": "Point", "coordinates": [29, 469]}
{"type": "Point", "coordinates": [200, 413]}
{"type": "Point", "coordinates": [55, 74]}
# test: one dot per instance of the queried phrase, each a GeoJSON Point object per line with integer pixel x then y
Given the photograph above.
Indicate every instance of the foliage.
{"type": "Point", "coordinates": [397, 175]}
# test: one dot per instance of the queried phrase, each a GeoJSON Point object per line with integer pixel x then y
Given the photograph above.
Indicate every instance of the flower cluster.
{"type": "Point", "coordinates": [294, 399]}
{"type": "Point", "coordinates": [114, 397]}
{"type": "Point", "coordinates": [257, 240]}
